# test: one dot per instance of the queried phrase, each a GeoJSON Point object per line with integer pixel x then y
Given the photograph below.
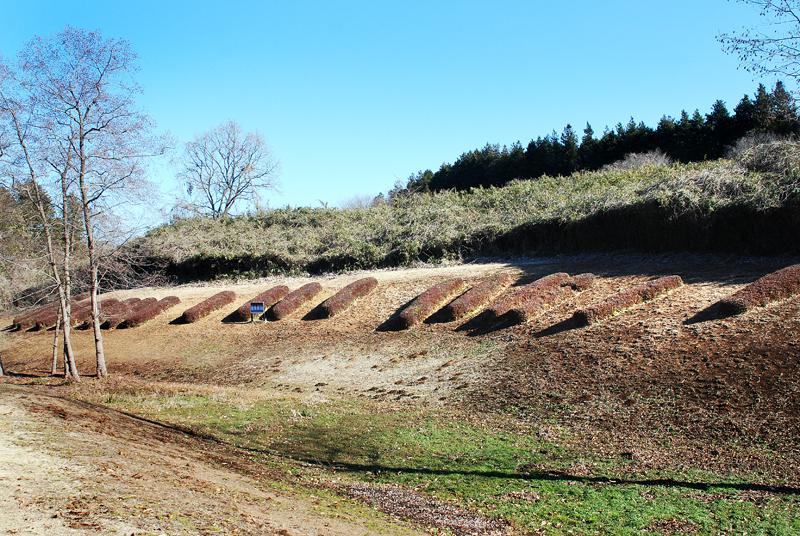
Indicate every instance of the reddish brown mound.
{"type": "Point", "coordinates": [347, 296]}
{"type": "Point", "coordinates": [526, 293]}
{"type": "Point", "coordinates": [537, 304]}
{"type": "Point", "coordinates": [581, 282]}
{"type": "Point", "coordinates": [294, 300]}
{"type": "Point", "coordinates": [82, 315]}
{"type": "Point", "coordinates": [131, 301]}
{"type": "Point", "coordinates": [477, 297]}
{"type": "Point", "coordinates": [207, 306]}
{"type": "Point", "coordinates": [115, 313]}
{"type": "Point", "coordinates": [626, 299]}
{"type": "Point", "coordinates": [773, 287]}
{"type": "Point", "coordinates": [268, 298]}
{"type": "Point", "coordinates": [429, 302]}
{"type": "Point", "coordinates": [44, 314]}
{"type": "Point", "coordinates": [143, 313]}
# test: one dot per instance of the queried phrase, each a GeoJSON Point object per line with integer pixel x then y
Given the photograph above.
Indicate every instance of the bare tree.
{"type": "Point", "coordinates": [772, 48]}
{"type": "Point", "coordinates": [224, 167]}
{"type": "Point", "coordinates": [85, 84]}
{"type": "Point", "coordinates": [31, 152]}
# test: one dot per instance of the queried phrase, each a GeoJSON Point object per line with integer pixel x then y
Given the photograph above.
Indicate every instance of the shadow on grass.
{"type": "Point", "coordinates": [715, 311]}
{"type": "Point", "coordinates": [567, 324]}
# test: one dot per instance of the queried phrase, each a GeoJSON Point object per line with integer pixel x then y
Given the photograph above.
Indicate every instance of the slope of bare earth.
{"type": "Point", "coordinates": [659, 383]}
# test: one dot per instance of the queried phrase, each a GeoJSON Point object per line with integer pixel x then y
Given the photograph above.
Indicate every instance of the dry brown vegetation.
{"type": "Point", "coordinates": [294, 300]}
{"type": "Point", "coordinates": [144, 313]}
{"type": "Point", "coordinates": [537, 303]}
{"type": "Point", "coordinates": [520, 295]}
{"type": "Point", "coordinates": [347, 296]}
{"type": "Point", "coordinates": [269, 298]}
{"type": "Point", "coordinates": [429, 302]}
{"type": "Point", "coordinates": [581, 282]}
{"type": "Point", "coordinates": [207, 306]}
{"type": "Point", "coordinates": [477, 297]}
{"type": "Point", "coordinates": [626, 299]}
{"type": "Point", "coordinates": [773, 287]}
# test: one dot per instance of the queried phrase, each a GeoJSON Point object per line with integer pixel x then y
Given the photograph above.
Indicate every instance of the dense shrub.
{"type": "Point", "coordinates": [519, 295]}
{"type": "Point", "coordinates": [207, 306]}
{"type": "Point", "coordinates": [143, 313]}
{"type": "Point", "coordinates": [429, 302]}
{"type": "Point", "coordinates": [269, 298]}
{"type": "Point", "coordinates": [626, 299]}
{"type": "Point", "coordinates": [347, 296]}
{"type": "Point", "coordinates": [477, 297]}
{"type": "Point", "coordinates": [294, 300]}
{"type": "Point", "coordinates": [773, 287]}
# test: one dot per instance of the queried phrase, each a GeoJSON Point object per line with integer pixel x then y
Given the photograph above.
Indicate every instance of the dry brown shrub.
{"type": "Point", "coordinates": [776, 286]}
{"type": "Point", "coordinates": [626, 299]}
{"type": "Point", "coordinates": [347, 296]}
{"type": "Point", "coordinates": [269, 298]}
{"type": "Point", "coordinates": [207, 306]}
{"type": "Point", "coordinates": [294, 300]}
{"type": "Point", "coordinates": [477, 297]}
{"type": "Point", "coordinates": [429, 302]}
{"type": "Point", "coordinates": [113, 314]}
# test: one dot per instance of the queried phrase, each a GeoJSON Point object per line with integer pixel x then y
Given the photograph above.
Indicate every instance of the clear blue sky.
{"type": "Point", "coordinates": [352, 96]}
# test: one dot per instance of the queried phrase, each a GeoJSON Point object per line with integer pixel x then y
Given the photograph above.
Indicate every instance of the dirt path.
{"type": "Point", "coordinates": [68, 468]}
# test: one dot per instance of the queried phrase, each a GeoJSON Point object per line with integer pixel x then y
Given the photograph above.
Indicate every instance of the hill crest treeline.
{"type": "Point", "coordinates": [689, 138]}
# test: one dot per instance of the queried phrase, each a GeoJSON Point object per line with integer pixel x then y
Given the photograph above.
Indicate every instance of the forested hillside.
{"type": "Point", "coordinates": [689, 138]}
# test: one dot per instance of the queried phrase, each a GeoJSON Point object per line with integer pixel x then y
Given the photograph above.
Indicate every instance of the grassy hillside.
{"type": "Point", "coordinates": [746, 204]}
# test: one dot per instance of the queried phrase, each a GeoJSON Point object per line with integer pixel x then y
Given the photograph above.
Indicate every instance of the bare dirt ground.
{"type": "Point", "coordinates": [652, 385]}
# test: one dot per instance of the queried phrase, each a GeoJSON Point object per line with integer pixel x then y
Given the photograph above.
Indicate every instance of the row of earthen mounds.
{"type": "Point", "coordinates": [113, 313]}
{"type": "Point", "coordinates": [622, 301]}
{"type": "Point", "coordinates": [279, 303]}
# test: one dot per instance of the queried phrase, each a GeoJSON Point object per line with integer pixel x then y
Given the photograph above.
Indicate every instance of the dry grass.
{"type": "Point", "coordinates": [294, 300]}
{"type": "Point", "coordinates": [429, 302]}
{"type": "Point", "coordinates": [778, 285]}
{"type": "Point", "coordinates": [347, 296]}
{"type": "Point", "coordinates": [626, 299]}
{"type": "Point", "coordinates": [207, 306]}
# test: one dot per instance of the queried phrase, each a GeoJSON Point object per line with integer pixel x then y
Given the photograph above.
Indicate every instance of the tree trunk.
{"type": "Point", "coordinates": [87, 222]}
{"type": "Point", "coordinates": [1, 366]}
{"type": "Point", "coordinates": [54, 364]}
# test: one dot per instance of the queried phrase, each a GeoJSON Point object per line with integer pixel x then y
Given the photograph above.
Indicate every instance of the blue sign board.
{"type": "Point", "coordinates": [256, 308]}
